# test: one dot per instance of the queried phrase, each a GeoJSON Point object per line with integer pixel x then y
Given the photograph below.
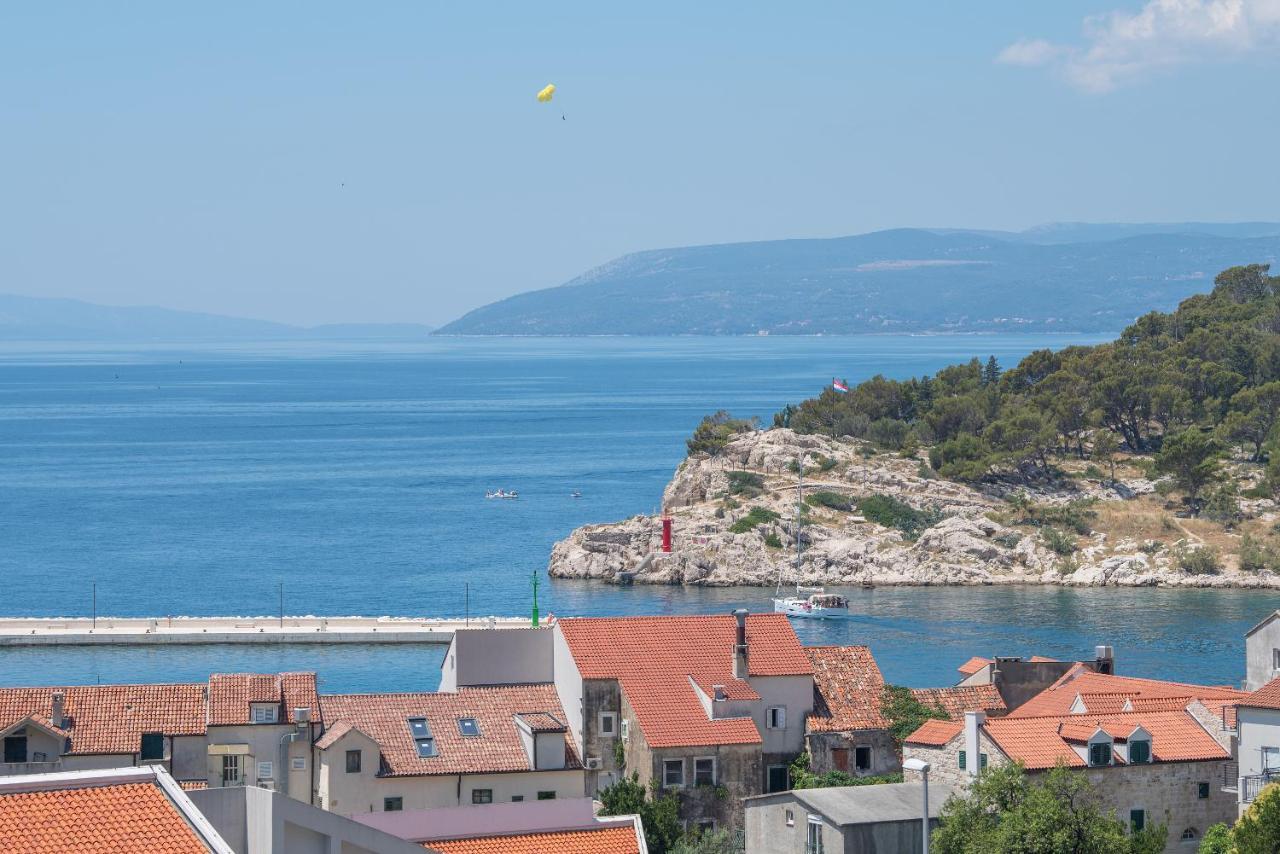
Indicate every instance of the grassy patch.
{"type": "Point", "coordinates": [755, 516]}
{"type": "Point", "coordinates": [892, 513]}
{"type": "Point", "coordinates": [745, 483]}
{"type": "Point", "coordinates": [830, 500]}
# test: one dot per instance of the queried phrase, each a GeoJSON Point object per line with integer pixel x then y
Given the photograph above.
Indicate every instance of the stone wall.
{"type": "Point", "coordinates": [884, 753]}
{"type": "Point", "coordinates": [945, 760]}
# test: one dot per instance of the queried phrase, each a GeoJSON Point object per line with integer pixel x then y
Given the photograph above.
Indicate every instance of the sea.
{"type": "Point", "coordinates": [350, 477]}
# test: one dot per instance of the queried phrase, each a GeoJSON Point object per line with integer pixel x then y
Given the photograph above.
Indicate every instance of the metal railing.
{"type": "Point", "coordinates": [1255, 783]}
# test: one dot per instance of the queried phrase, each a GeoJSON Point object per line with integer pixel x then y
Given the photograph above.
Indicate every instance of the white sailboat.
{"type": "Point", "coordinates": [813, 603]}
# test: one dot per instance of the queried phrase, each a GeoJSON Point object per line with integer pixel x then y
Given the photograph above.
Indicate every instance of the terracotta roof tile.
{"type": "Point", "coordinates": [110, 718]}
{"type": "Point", "coordinates": [130, 817]}
{"type": "Point", "coordinates": [498, 748]}
{"type": "Point", "coordinates": [963, 698]}
{"type": "Point", "coordinates": [542, 722]}
{"type": "Point", "coordinates": [653, 658]}
{"type": "Point", "coordinates": [1266, 697]}
{"type": "Point", "coordinates": [231, 694]}
{"type": "Point", "coordinates": [848, 689]}
{"type": "Point", "coordinates": [935, 733]}
{"type": "Point", "coordinates": [1040, 742]}
{"type": "Point", "coordinates": [1058, 698]}
{"type": "Point", "coordinates": [973, 665]}
{"type": "Point", "coordinates": [604, 840]}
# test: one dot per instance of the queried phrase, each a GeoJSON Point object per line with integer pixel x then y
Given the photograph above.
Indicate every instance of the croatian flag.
{"type": "Point", "coordinates": [839, 385]}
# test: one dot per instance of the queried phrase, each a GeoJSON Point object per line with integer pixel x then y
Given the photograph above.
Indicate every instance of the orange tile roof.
{"type": "Point", "coordinates": [110, 819]}
{"type": "Point", "coordinates": [110, 718]}
{"type": "Point", "coordinates": [973, 665]}
{"type": "Point", "coordinates": [193, 785]}
{"type": "Point", "coordinates": [604, 840]}
{"type": "Point", "coordinates": [230, 696]}
{"type": "Point", "coordinates": [498, 748]}
{"type": "Point", "coordinates": [1058, 698]}
{"type": "Point", "coordinates": [1040, 742]}
{"type": "Point", "coordinates": [1266, 697]}
{"type": "Point", "coordinates": [963, 698]}
{"type": "Point", "coordinates": [848, 689]}
{"type": "Point", "coordinates": [652, 658]}
{"type": "Point", "coordinates": [935, 733]}
{"type": "Point", "coordinates": [542, 722]}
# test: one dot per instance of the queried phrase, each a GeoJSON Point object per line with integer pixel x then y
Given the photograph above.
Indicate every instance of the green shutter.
{"type": "Point", "coordinates": [152, 745]}
{"type": "Point", "coordinates": [1139, 751]}
{"type": "Point", "coordinates": [1137, 819]}
{"type": "Point", "coordinates": [962, 760]}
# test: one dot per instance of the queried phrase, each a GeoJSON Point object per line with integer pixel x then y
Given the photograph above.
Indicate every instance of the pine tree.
{"type": "Point", "coordinates": [991, 373]}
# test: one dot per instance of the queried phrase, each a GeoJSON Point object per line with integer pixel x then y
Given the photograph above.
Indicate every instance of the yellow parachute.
{"type": "Point", "coordinates": [545, 94]}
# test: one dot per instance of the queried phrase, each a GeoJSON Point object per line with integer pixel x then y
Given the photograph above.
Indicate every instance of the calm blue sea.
{"type": "Point", "coordinates": [188, 480]}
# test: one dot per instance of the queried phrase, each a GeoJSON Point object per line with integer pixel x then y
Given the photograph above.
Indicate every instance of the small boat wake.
{"type": "Point", "coordinates": [500, 493]}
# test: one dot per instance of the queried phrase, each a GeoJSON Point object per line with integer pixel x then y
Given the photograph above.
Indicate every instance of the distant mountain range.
{"type": "Point", "coordinates": [1061, 277]}
{"type": "Point", "coordinates": [40, 319]}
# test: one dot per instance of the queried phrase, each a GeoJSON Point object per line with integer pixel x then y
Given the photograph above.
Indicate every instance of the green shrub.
{"type": "Point", "coordinates": [925, 471]}
{"type": "Point", "coordinates": [826, 464]}
{"type": "Point", "coordinates": [1256, 555]}
{"type": "Point", "coordinates": [714, 432]}
{"type": "Point", "coordinates": [1058, 541]}
{"type": "Point", "coordinates": [1260, 490]}
{"type": "Point", "coordinates": [745, 483]}
{"type": "Point", "coordinates": [772, 540]}
{"type": "Point", "coordinates": [905, 713]}
{"type": "Point", "coordinates": [755, 516]}
{"type": "Point", "coordinates": [830, 500]}
{"type": "Point", "coordinates": [719, 514]}
{"type": "Point", "coordinates": [1094, 473]}
{"type": "Point", "coordinates": [1009, 539]}
{"type": "Point", "coordinates": [1201, 561]}
{"type": "Point", "coordinates": [803, 778]}
{"type": "Point", "coordinates": [1074, 516]}
{"type": "Point", "coordinates": [1222, 506]}
{"type": "Point", "coordinates": [892, 513]}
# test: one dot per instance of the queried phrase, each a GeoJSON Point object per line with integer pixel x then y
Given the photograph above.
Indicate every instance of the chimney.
{"type": "Point", "coordinates": [973, 722]}
{"type": "Point", "coordinates": [59, 701]}
{"type": "Point", "coordinates": [740, 645]}
{"type": "Point", "coordinates": [1104, 660]}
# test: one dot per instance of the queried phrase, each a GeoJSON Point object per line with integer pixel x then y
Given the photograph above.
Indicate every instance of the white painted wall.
{"type": "Point", "coordinates": [1259, 655]}
{"type": "Point", "coordinates": [264, 746]}
{"type": "Point", "coordinates": [497, 657]}
{"type": "Point", "coordinates": [568, 683]}
{"type": "Point", "coordinates": [1256, 729]}
{"type": "Point", "coordinates": [795, 693]}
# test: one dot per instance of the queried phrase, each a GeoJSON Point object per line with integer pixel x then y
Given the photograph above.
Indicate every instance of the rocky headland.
{"type": "Point", "coordinates": [734, 523]}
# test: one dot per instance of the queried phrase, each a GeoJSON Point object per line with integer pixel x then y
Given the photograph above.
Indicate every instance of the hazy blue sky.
{"type": "Point", "coordinates": [194, 155]}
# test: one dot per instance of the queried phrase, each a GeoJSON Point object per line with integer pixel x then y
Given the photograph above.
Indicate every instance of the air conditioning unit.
{"type": "Point", "coordinates": [593, 763]}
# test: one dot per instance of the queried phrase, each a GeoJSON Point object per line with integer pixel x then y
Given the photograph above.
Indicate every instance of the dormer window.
{"type": "Point", "coordinates": [1100, 753]}
{"type": "Point", "coordinates": [264, 713]}
{"type": "Point", "coordinates": [1139, 751]}
{"type": "Point", "coordinates": [468, 727]}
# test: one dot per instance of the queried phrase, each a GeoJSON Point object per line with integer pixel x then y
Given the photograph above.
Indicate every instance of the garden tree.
{"type": "Point", "coordinates": [1022, 436]}
{"type": "Point", "coordinates": [659, 813]}
{"type": "Point", "coordinates": [1064, 397]}
{"type": "Point", "coordinates": [1216, 840]}
{"type": "Point", "coordinates": [905, 713]}
{"type": "Point", "coordinates": [715, 431]}
{"type": "Point", "coordinates": [991, 373]}
{"type": "Point", "coordinates": [1258, 830]}
{"type": "Point", "coordinates": [1245, 284]}
{"type": "Point", "coordinates": [712, 842]}
{"type": "Point", "coordinates": [1191, 457]}
{"type": "Point", "coordinates": [1057, 813]}
{"type": "Point", "coordinates": [1105, 448]}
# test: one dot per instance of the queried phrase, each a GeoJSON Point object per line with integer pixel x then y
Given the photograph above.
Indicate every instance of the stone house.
{"type": "Point", "coordinates": [709, 707]}
{"type": "Point", "coordinates": [847, 730]}
{"type": "Point", "coordinates": [1258, 733]}
{"type": "Point", "coordinates": [1156, 752]}
{"type": "Point", "coordinates": [476, 745]}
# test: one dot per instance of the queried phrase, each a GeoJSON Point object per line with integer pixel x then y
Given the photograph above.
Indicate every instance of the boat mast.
{"type": "Point", "coordinates": [799, 516]}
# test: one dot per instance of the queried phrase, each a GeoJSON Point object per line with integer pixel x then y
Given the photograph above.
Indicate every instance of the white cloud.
{"type": "Point", "coordinates": [1121, 46]}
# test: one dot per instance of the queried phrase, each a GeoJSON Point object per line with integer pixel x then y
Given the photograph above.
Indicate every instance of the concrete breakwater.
{"type": "Point", "coordinates": [86, 631]}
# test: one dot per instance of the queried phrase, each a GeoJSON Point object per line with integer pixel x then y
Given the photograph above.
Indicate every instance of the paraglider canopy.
{"type": "Point", "coordinates": [545, 94]}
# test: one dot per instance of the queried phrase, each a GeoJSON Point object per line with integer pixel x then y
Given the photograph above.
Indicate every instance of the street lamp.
{"type": "Point", "coordinates": [922, 767]}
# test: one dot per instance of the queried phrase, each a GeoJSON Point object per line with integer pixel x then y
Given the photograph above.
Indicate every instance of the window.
{"type": "Point", "coordinates": [264, 714]}
{"type": "Point", "coordinates": [608, 724]}
{"type": "Point", "coordinates": [1137, 819]}
{"type": "Point", "coordinates": [982, 761]}
{"type": "Point", "coordinates": [515, 799]}
{"type": "Point", "coordinates": [1275, 659]}
{"type": "Point", "coordinates": [482, 796]}
{"type": "Point", "coordinates": [546, 796]}
{"type": "Point", "coordinates": [1100, 753]}
{"type": "Point", "coordinates": [962, 764]}
{"type": "Point", "coordinates": [1189, 835]}
{"type": "Point", "coordinates": [813, 842]}
{"type": "Point", "coordinates": [353, 762]}
{"type": "Point", "coordinates": [624, 729]}
{"type": "Point", "coordinates": [1270, 758]}
{"type": "Point", "coordinates": [1139, 751]}
{"type": "Point", "coordinates": [298, 763]}
{"type": "Point", "coordinates": [706, 825]}
{"type": "Point", "coordinates": [468, 727]}
{"type": "Point", "coordinates": [1202, 791]}
{"type": "Point", "coordinates": [231, 770]}
{"type": "Point", "coordinates": [265, 770]}
{"type": "Point", "coordinates": [15, 748]}
{"type": "Point", "coordinates": [39, 756]}
{"type": "Point", "coordinates": [777, 780]}
{"type": "Point", "coordinates": [776, 718]}
{"type": "Point", "coordinates": [862, 757]}
{"type": "Point", "coordinates": [704, 771]}
{"type": "Point", "coordinates": [791, 819]}
{"type": "Point", "coordinates": [392, 804]}
{"type": "Point", "coordinates": [152, 746]}
{"type": "Point", "coordinates": [673, 772]}
{"type": "Point", "coordinates": [422, 737]}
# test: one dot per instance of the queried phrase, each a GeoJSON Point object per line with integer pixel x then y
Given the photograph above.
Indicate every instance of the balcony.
{"type": "Point", "coordinates": [1250, 786]}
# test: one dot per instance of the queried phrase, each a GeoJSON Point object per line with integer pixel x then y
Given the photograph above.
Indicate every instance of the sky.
{"type": "Point", "coordinates": [319, 162]}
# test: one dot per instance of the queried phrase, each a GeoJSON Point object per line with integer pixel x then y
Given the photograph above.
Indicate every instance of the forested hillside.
{"type": "Point", "coordinates": [1184, 387]}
